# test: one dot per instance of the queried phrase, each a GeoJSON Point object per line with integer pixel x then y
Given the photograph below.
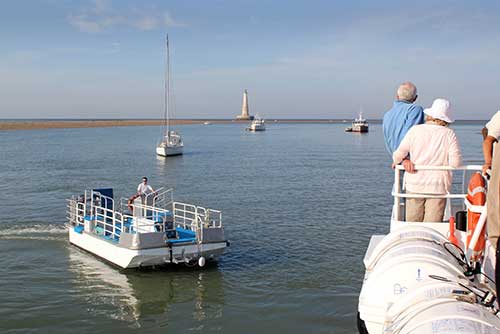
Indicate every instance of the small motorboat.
{"type": "Point", "coordinates": [148, 230]}
{"type": "Point", "coordinates": [258, 124]}
{"type": "Point", "coordinates": [358, 125]}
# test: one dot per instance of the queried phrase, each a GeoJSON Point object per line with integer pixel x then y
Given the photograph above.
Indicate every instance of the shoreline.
{"type": "Point", "coordinates": [19, 124]}
{"type": "Point", "coordinates": [7, 125]}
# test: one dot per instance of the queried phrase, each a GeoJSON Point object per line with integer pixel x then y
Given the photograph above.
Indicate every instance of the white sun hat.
{"type": "Point", "coordinates": [440, 109]}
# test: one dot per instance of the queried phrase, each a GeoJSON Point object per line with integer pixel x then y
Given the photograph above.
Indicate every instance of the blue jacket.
{"type": "Point", "coordinates": [398, 120]}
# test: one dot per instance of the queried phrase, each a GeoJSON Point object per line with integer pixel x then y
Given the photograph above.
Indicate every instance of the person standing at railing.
{"type": "Point", "coordinates": [429, 144]}
{"type": "Point", "coordinates": [491, 134]}
{"type": "Point", "coordinates": [403, 115]}
{"type": "Point", "coordinates": [144, 189]}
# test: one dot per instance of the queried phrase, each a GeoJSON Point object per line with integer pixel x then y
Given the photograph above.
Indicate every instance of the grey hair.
{"type": "Point", "coordinates": [407, 91]}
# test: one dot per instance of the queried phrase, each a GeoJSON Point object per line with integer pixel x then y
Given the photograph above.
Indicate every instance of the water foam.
{"type": "Point", "coordinates": [33, 231]}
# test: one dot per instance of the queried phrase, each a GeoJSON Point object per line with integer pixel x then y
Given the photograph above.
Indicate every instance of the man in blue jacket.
{"type": "Point", "coordinates": [402, 116]}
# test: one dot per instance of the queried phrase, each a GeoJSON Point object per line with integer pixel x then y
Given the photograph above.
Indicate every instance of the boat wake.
{"type": "Point", "coordinates": [33, 232]}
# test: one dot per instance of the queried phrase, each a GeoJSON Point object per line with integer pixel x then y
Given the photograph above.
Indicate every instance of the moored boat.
{"type": "Point", "coordinates": [258, 124]}
{"type": "Point", "coordinates": [150, 230]}
{"type": "Point", "coordinates": [432, 277]}
{"type": "Point", "coordinates": [171, 141]}
{"type": "Point", "coordinates": [170, 145]}
{"type": "Point", "coordinates": [358, 125]}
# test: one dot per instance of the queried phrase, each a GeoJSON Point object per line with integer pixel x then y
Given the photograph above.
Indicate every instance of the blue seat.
{"type": "Point", "coordinates": [178, 241]}
{"type": "Point", "coordinates": [183, 235]}
{"type": "Point", "coordinates": [78, 229]}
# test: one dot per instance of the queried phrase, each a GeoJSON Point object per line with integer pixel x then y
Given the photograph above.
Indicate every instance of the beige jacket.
{"type": "Point", "coordinates": [429, 144]}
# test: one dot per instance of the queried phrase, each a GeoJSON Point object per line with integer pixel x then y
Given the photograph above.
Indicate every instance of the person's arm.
{"type": "Point", "coordinates": [488, 152]}
{"type": "Point", "coordinates": [454, 152]}
{"type": "Point", "coordinates": [404, 149]}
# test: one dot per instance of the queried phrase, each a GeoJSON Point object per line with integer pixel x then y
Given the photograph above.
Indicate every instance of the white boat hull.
{"type": "Point", "coordinates": [169, 151]}
{"type": "Point", "coordinates": [130, 258]}
{"type": "Point", "coordinates": [256, 129]}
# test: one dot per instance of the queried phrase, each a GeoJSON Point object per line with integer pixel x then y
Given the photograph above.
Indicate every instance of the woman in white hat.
{"type": "Point", "coordinates": [430, 144]}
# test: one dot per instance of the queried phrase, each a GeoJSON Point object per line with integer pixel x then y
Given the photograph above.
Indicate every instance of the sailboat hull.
{"type": "Point", "coordinates": [169, 151]}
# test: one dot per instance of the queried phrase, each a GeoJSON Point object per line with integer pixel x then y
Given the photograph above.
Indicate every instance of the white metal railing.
{"type": "Point", "coordinates": [186, 215]}
{"type": "Point", "coordinates": [163, 198]}
{"type": "Point", "coordinates": [397, 194]}
{"type": "Point", "coordinates": [466, 204]}
{"type": "Point", "coordinates": [108, 219]}
{"type": "Point", "coordinates": [76, 211]}
{"type": "Point", "coordinates": [196, 218]}
{"type": "Point", "coordinates": [100, 212]}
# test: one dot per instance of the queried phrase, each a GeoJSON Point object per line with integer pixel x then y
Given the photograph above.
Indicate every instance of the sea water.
{"type": "Point", "coordinates": [299, 203]}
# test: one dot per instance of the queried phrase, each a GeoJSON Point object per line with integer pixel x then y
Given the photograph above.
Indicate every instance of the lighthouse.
{"type": "Point", "coordinates": [244, 108]}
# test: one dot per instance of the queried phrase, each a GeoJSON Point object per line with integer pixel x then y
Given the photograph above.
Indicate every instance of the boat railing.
{"type": "Point", "coordinates": [99, 199]}
{"type": "Point", "coordinates": [108, 219]}
{"type": "Point", "coordinates": [196, 218]}
{"type": "Point", "coordinates": [185, 215]}
{"type": "Point", "coordinates": [148, 212]}
{"type": "Point", "coordinates": [76, 211]}
{"type": "Point", "coordinates": [100, 220]}
{"type": "Point", "coordinates": [400, 196]}
{"type": "Point", "coordinates": [163, 198]}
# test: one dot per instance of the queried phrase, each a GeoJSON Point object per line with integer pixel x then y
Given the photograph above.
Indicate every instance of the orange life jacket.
{"type": "Point", "coordinates": [476, 195]}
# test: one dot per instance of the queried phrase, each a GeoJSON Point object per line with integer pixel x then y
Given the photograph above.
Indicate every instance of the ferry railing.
{"type": "Point", "coordinates": [397, 194]}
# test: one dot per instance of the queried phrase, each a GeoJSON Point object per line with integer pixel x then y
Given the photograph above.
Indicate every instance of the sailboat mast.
{"type": "Point", "coordinates": [167, 91]}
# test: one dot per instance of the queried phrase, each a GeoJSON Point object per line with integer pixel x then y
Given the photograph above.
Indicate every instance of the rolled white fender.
{"type": "Point", "coordinates": [401, 263]}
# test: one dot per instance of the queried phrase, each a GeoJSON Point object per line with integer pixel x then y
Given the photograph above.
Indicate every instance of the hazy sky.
{"type": "Point", "coordinates": [298, 59]}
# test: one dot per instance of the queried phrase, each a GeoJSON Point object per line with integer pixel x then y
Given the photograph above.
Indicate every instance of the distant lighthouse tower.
{"type": "Point", "coordinates": [244, 108]}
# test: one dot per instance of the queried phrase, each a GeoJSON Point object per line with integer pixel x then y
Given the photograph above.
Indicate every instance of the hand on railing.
{"type": "Point", "coordinates": [408, 166]}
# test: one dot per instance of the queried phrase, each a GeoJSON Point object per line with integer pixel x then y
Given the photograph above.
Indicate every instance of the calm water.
{"type": "Point", "coordinates": [299, 203]}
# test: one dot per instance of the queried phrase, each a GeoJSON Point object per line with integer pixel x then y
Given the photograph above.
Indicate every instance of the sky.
{"type": "Point", "coordinates": [298, 59]}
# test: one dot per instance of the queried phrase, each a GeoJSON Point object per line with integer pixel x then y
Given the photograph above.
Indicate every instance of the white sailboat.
{"type": "Point", "coordinates": [171, 141]}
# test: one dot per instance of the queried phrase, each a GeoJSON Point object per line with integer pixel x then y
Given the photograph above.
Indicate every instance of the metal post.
{"type": "Point", "coordinates": [396, 192]}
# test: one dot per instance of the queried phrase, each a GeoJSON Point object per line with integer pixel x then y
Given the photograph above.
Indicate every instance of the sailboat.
{"type": "Point", "coordinates": [171, 141]}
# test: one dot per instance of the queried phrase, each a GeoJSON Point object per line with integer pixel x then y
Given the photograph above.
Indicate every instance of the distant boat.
{"type": "Point", "coordinates": [258, 124]}
{"type": "Point", "coordinates": [358, 125]}
{"type": "Point", "coordinates": [171, 141]}
{"type": "Point", "coordinates": [207, 123]}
